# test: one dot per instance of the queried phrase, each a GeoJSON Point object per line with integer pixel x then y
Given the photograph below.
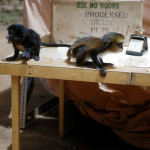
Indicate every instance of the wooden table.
{"type": "Point", "coordinates": [53, 65]}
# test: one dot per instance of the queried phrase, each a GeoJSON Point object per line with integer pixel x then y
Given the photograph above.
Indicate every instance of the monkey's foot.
{"type": "Point", "coordinates": [26, 55]}
{"type": "Point", "coordinates": [10, 58]}
{"type": "Point", "coordinates": [105, 64]}
{"type": "Point", "coordinates": [88, 64]}
{"type": "Point", "coordinates": [36, 58]}
{"type": "Point", "coordinates": [108, 64]}
{"type": "Point", "coordinates": [103, 72]}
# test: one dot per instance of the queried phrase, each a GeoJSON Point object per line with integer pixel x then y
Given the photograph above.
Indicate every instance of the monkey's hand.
{"type": "Point", "coordinates": [26, 54]}
{"type": "Point", "coordinates": [10, 58]}
{"type": "Point", "coordinates": [98, 64]}
{"type": "Point", "coordinates": [103, 72]}
{"type": "Point", "coordinates": [14, 57]}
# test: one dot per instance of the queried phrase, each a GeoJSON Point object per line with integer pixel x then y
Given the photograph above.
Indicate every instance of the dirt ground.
{"type": "Point", "coordinates": [81, 133]}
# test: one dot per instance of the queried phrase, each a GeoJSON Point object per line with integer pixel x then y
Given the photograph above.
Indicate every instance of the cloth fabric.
{"type": "Point", "coordinates": [37, 15]}
{"type": "Point", "coordinates": [146, 17]}
{"type": "Point", "coordinates": [124, 109]}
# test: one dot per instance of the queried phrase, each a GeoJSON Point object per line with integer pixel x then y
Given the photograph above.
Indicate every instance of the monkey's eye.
{"type": "Point", "coordinates": [10, 32]}
{"type": "Point", "coordinates": [120, 45]}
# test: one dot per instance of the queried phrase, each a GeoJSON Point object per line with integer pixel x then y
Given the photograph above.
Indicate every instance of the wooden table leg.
{"type": "Point", "coordinates": [61, 108]}
{"type": "Point", "coordinates": [15, 103]}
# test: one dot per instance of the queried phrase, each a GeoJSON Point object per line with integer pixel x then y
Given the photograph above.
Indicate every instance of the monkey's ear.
{"type": "Point", "coordinates": [108, 43]}
{"type": "Point", "coordinates": [22, 37]}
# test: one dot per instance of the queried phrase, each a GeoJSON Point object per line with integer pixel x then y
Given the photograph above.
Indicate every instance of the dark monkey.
{"type": "Point", "coordinates": [27, 41]}
{"type": "Point", "coordinates": [91, 46]}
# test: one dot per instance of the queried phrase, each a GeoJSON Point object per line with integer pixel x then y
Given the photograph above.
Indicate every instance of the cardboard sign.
{"type": "Point", "coordinates": [73, 19]}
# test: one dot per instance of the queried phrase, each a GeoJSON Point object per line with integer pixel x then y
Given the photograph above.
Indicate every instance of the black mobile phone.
{"type": "Point", "coordinates": [138, 45]}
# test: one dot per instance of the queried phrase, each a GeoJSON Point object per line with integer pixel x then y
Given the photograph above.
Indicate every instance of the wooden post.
{"type": "Point", "coordinates": [61, 108]}
{"type": "Point", "coordinates": [15, 100]}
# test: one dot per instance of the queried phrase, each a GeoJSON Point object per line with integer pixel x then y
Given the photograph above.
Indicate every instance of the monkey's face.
{"type": "Point", "coordinates": [15, 34]}
{"type": "Point", "coordinates": [117, 41]}
{"type": "Point", "coordinates": [116, 47]}
{"type": "Point", "coordinates": [120, 46]}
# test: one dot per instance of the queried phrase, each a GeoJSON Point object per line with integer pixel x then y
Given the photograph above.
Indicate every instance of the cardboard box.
{"type": "Point", "coordinates": [77, 18]}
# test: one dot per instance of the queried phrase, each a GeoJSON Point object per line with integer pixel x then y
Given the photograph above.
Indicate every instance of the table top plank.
{"type": "Point", "coordinates": [53, 64]}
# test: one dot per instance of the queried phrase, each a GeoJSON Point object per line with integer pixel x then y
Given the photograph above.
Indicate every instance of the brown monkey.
{"type": "Point", "coordinates": [91, 46]}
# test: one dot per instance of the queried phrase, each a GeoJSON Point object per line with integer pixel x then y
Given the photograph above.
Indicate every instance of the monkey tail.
{"type": "Point", "coordinates": [54, 45]}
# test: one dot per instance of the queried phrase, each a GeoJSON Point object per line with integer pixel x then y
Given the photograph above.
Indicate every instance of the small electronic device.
{"type": "Point", "coordinates": [138, 45]}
